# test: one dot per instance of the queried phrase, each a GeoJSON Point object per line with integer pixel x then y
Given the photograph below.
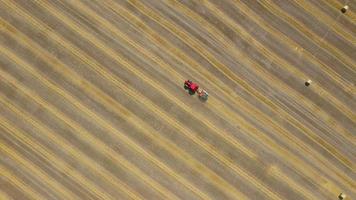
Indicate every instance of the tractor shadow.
{"type": "Point", "coordinates": [190, 92]}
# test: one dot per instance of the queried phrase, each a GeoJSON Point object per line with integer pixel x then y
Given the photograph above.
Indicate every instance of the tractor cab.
{"type": "Point", "coordinates": [193, 87]}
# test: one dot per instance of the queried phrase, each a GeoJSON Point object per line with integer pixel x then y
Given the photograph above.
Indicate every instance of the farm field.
{"type": "Point", "coordinates": [93, 105]}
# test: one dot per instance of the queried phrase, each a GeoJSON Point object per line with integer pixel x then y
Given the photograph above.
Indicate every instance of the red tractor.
{"type": "Point", "coordinates": [193, 87]}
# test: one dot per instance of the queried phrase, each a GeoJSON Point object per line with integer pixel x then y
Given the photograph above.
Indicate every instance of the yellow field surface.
{"type": "Point", "coordinates": [92, 103]}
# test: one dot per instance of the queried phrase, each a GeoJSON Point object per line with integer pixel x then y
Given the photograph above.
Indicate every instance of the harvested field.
{"type": "Point", "coordinates": [92, 104]}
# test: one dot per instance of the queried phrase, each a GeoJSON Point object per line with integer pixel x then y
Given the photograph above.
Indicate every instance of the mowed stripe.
{"type": "Point", "coordinates": [140, 99]}
{"type": "Point", "coordinates": [19, 184]}
{"type": "Point", "coordinates": [277, 172]}
{"type": "Point", "coordinates": [277, 59]}
{"type": "Point", "coordinates": [229, 139]}
{"type": "Point", "coordinates": [93, 38]}
{"type": "Point", "coordinates": [214, 105]}
{"type": "Point", "coordinates": [141, 49]}
{"type": "Point", "coordinates": [187, 37]}
{"type": "Point", "coordinates": [74, 152]}
{"type": "Point", "coordinates": [107, 101]}
{"type": "Point", "coordinates": [308, 34]}
{"type": "Point", "coordinates": [131, 67]}
{"type": "Point", "coordinates": [310, 134]}
{"type": "Point", "coordinates": [327, 20]}
{"type": "Point", "coordinates": [224, 160]}
{"type": "Point", "coordinates": [28, 167]}
{"type": "Point", "coordinates": [264, 74]}
{"type": "Point", "coordinates": [333, 151]}
{"type": "Point", "coordinates": [104, 149]}
{"type": "Point", "coordinates": [198, 47]}
{"type": "Point", "coordinates": [58, 164]}
{"type": "Point", "coordinates": [179, 55]}
{"type": "Point", "coordinates": [201, 70]}
{"type": "Point", "coordinates": [172, 75]}
{"type": "Point", "coordinates": [146, 30]}
{"type": "Point", "coordinates": [350, 15]}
